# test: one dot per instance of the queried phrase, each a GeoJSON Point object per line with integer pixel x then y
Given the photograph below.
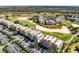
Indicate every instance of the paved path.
{"type": "Point", "coordinates": [75, 25]}
{"type": "Point", "coordinates": [1, 47]}
{"type": "Point", "coordinates": [68, 43]}
{"type": "Point", "coordinates": [72, 38]}
{"type": "Point", "coordinates": [64, 29]}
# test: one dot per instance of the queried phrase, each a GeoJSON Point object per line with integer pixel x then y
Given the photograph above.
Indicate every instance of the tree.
{"type": "Point", "coordinates": [16, 22]}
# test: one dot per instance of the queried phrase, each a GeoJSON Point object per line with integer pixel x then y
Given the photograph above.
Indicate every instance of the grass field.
{"type": "Point", "coordinates": [61, 36]}
{"type": "Point", "coordinates": [66, 23]}
{"type": "Point", "coordinates": [23, 22]}
{"type": "Point", "coordinates": [13, 18]}
{"type": "Point", "coordinates": [27, 23]}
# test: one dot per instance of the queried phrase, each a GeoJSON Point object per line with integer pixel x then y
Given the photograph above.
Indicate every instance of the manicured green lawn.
{"type": "Point", "coordinates": [26, 22]}
{"type": "Point", "coordinates": [61, 36]}
{"type": "Point", "coordinates": [66, 22]}
{"type": "Point", "coordinates": [23, 22]}
{"type": "Point", "coordinates": [13, 18]}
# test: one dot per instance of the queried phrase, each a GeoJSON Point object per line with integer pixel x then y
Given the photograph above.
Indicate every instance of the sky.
{"type": "Point", "coordinates": [40, 2]}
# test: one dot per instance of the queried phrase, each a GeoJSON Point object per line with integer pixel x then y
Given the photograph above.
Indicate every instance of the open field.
{"type": "Point", "coordinates": [62, 36]}
{"type": "Point", "coordinates": [23, 21]}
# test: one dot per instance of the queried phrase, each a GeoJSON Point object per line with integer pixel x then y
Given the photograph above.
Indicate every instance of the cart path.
{"type": "Point", "coordinates": [64, 29]}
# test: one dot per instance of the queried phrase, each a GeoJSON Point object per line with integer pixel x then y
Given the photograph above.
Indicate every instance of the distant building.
{"type": "Point", "coordinates": [41, 19]}
{"type": "Point", "coordinates": [50, 22]}
{"type": "Point", "coordinates": [75, 20]}
{"type": "Point", "coordinates": [60, 18]}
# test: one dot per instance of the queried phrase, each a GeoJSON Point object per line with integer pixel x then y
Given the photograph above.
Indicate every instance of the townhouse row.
{"type": "Point", "coordinates": [34, 34]}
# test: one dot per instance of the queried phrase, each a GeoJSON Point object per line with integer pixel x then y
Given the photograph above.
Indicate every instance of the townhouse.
{"type": "Point", "coordinates": [59, 43]}
{"type": "Point", "coordinates": [31, 34]}
{"type": "Point", "coordinates": [23, 29]}
{"type": "Point", "coordinates": [47, 41]}
{"type": "Point", "coordinates": [35, 34]}
{"type": "Point", "coordinates": [18, 48]}
{"type": "Point", "coordinates": [11, 49]}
